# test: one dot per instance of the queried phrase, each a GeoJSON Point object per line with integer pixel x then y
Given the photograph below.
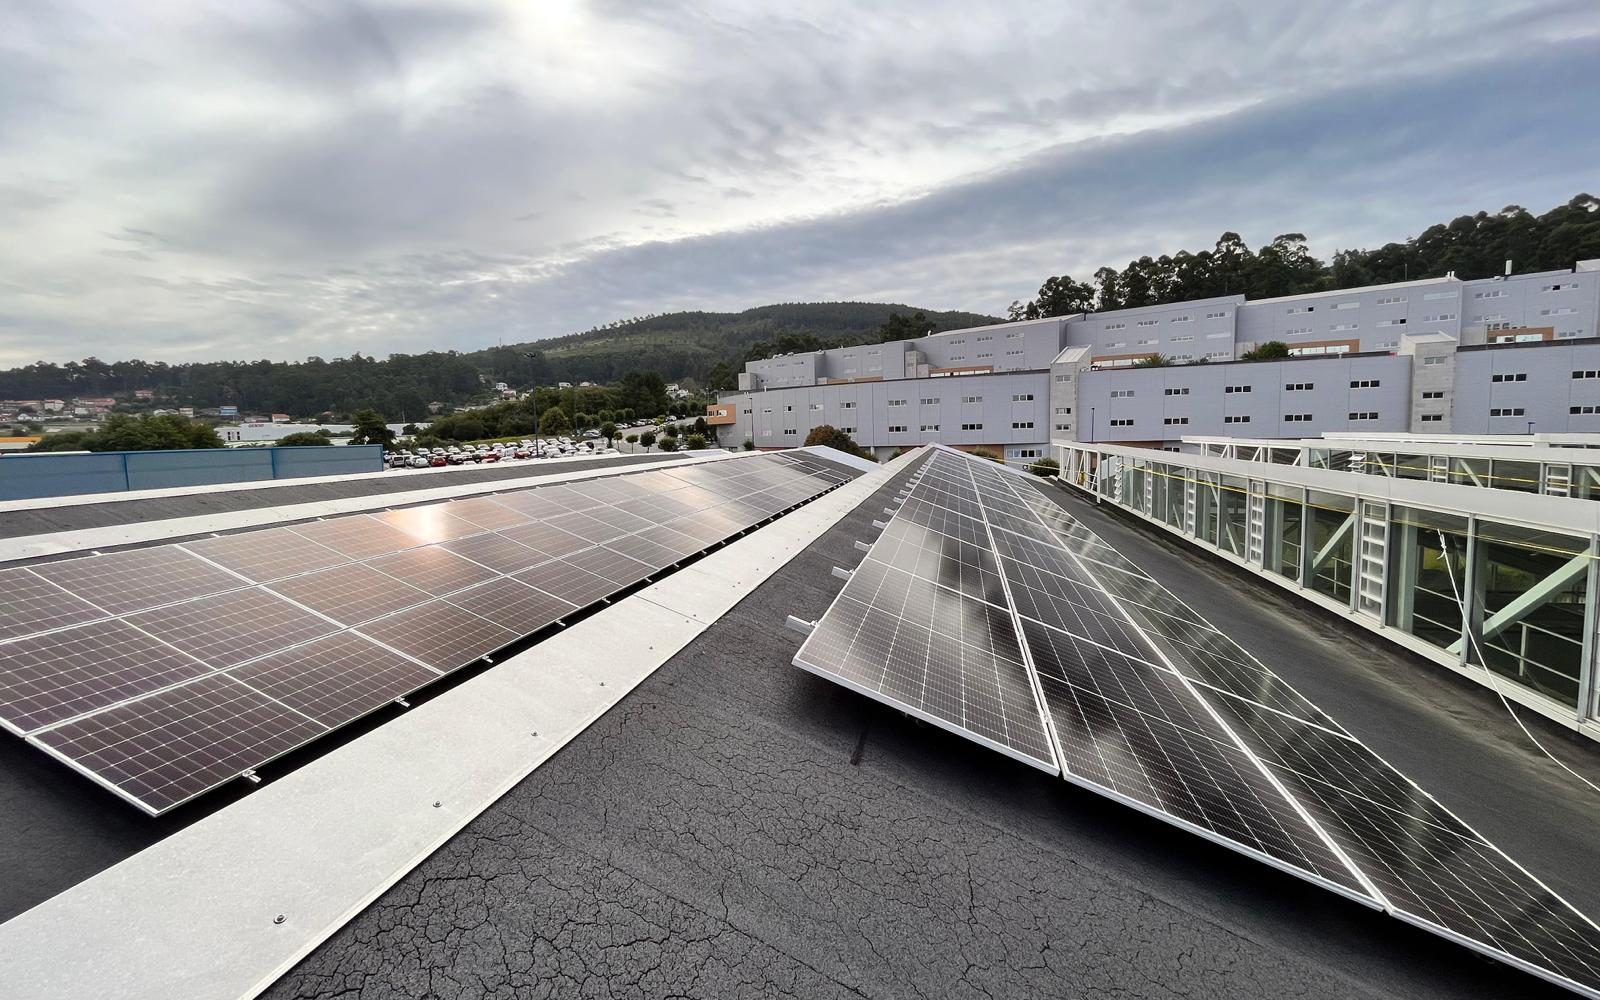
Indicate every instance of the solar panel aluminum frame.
{"type": "Point", "coordinates": [1054, 768]}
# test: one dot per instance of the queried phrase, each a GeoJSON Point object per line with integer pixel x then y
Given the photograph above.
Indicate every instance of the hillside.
{"type": "Point", "coordinates": [688, 344]}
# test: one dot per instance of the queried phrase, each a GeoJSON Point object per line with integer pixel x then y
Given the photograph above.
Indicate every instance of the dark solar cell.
{"type": "Point", "coordinates": [31, 604]}
{"type": "Point", "coordinates": [571, 583]}
{"type": "Point", "coordinates": [674, 540]}
{"type": "Point", "coordinates": [613, 566]}
{"type": "Point", "coordinates": [513, 606]}
{"type": "Point", "coordinates": [546, 538]}
{"type": "Point", "coordinates": [266, 554]}
{"type": "Point", "coordinates": [45, 679]}
{"type": "Point", "coordinates": [356, 535]}
{"type": "Point", "coordinates": [586, 527]}
{"type": "Point", "coordinates": [351, 594]}
{"type": "Point", "coordinates": [172, 745]}
{"type": "Point", "coordinates": [432, 569]}
{"type": "Point", "coordinates": [440, 634]}
{"type": "Point", "coordinates": [335, 679]}
{"type": "Point", "coordinates": [620, 519]}
{"type": "Point", "coordinates": [231, 628]}
{"type": "Point", "coordinates": [428, 522]}
{"type": "Point", "coordinates": [652, 554]}
{"type": "Point", "coordinates": [135, 579]}
{"type": "Point", "coordinates": [495, 551]}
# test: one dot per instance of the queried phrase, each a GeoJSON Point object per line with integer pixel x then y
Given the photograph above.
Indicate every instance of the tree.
{"type": "Point", "coordinates": [694, 442]}
{"type": "Point", "coordinates": [749, 444]}
{"type": "Point", "coordinates": [826, 435]}
{"type": "Point", "coordinates": [1045, 468]}
{"type": "Point", "coordinates": [1266, 351]}
{"type": "Point", "coordinates": [608, 430]}
{"type": "Point", "coordinates": [1153, 361]}
{"type": "Point", "coordinates": [370, 428]}
{"type": "Point", "coordinates": [303, 439]}
{"type": "Point", "coordinates": [670, 430]}
{"type": "Point", "coordinates": [632, 440]}
{"type": "Point", "coordinates": [669, 444]}
{"type": "Point", "coordinates": [648, 439]}
{"type": "Point", "coordinates": [898, 327]}
{"type": "Point", "coordinates": [554, 421]}
{"type": "Point", "coordinates": [721, 378]}
{"type": "Point", "coordinates": [121, 432]}
{"type": "Point", "coordinates": [701, 427]}
{"type": "Point", "coordinates": [410, 430]}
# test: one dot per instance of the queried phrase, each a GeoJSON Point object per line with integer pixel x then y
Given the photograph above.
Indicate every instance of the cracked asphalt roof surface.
{"type": "Point", "coordinates": [737, 827]}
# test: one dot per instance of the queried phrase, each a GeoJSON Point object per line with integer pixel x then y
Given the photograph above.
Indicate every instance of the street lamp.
{"type": "Point", "coordinates": [1530, 427]}
{"type": "Point", "coordinates": [1091, 425]}
{"type": "Point", "coordinates": [538, 440]}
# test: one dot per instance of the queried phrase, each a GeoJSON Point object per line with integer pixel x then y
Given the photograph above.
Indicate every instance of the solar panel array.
{"type": "Point", "coordinates": [1106, 677]}
{"type": "Point", "coordinates": [164, 671]}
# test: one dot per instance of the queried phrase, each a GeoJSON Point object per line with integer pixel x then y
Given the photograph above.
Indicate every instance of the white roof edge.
{"type": "Point", "coordinates": [1418, 283]}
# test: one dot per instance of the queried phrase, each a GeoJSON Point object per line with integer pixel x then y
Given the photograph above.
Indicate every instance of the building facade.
{"type": "Point", "coordinates": [1497, 355]}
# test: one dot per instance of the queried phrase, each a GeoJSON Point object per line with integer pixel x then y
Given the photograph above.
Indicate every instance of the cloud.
{"type": "Point", "coordinates": [294, 178]}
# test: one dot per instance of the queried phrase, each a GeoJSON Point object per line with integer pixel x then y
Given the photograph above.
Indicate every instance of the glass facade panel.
{"type": "Point", "coordinates": [1206, 502]}
{"type": "Point", "coordinates": [1427, 575]}
{"type": "Point", "coordinates": [1233, 510]}
{"type": "Point", "coordinates": [1513, 475]}
{"type": "Point", "coordinates": [1285, 514]}
{"type": "Point", "coordinates": [1534, 587]}
{"type": "Point", "coordinates": [1470, 471]}
{"type": "Point", "coordinates": [1331, 543]}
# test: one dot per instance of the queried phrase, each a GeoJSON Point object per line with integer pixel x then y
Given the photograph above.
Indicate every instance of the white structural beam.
{"type": "Point", "coordinates": [1531, 600]}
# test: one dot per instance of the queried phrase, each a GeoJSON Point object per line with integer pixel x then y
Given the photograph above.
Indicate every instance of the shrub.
{"type": "Point", "coordinates": [1046, 467]}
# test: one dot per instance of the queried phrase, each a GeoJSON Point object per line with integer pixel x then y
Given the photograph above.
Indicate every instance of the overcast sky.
{"type": "Point", "coordinates": [238, 179]}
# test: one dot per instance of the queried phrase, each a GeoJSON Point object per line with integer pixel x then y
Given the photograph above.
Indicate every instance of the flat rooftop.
{"type": "Point", "coordinates": [735, 826]}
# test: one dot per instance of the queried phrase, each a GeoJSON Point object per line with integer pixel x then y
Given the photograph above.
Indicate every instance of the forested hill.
{"type": "Point", "coordinates": [690, 344]}
{"type": "Point", "coordinates": [675, 345]}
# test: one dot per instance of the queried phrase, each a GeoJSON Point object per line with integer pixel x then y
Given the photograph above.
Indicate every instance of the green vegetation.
{"type": "Point", "coordinates": [694, 442]}
{"type": "Point", "coordinates": [370, 429]}
{"type": "Point", "coordinates": [1266, 352]}
{"type": "Point", "coordinates": [303, 439]}
{"type": "Point", "coordinates": [1473, 246]}
{"type": "Point", "coordinates": [1045, 468]}
{"type": "Point", "coordinates": [832, 437]}
{"type": "Point", "coordinates": [1154, 361]}
{"type": "Point", "coordinates": [121, 432]}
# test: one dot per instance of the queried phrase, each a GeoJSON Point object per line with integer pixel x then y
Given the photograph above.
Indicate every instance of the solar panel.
{"type": "Point", "coordinates": [170, 746]}
{"type": "Point", "coordinates": [229, 629]}
{"type": "Point", "coordinates": [45, 679]}
{"type": "Point", "coordinates": [29, 604]}
{"type": "Point", "coordinates": [335, 679]}
{"type": "Point", "coordinates": [350, 594]}
{"type": "Point", "coordinates": [135, 579]}
{"type": "Point", "coordinates": [1152, 706]}
{"type": "Point", "coordinates": [162, 671]}
{"type": "Point", "coordinates": [265, 555]}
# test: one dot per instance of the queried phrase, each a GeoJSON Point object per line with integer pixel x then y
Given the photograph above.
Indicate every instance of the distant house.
{"type": "Point", "coordinates": [144, 394]}
{"type": "Point", "coordinates": [280, 418]}
{"type": "Point", "coordinates": [563, 385]}
{"type": "Point", "coordinates": [185, 411]}
{"type": "Point", "coordinates": [435, 407]}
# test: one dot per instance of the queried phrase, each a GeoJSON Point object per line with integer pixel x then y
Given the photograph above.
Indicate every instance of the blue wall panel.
{"type": "Point", "coordinates": [31, 476]}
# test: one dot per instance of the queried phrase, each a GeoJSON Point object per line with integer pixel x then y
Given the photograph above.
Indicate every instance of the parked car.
{"type": "Point", "coordinates": [438, 461]}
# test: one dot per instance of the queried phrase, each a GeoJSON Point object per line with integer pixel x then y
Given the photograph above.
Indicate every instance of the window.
{"type": "Point", "coordinates": [1217, 315]}
{"type": "Point", "coordinates": [1347, 305]}
{"type": "Point", "coordinates": [1299, 310]}
{"type": "Point", "coordinates": [1025, 453]}
{"type": "Point", "coordinates": [1440, 318]}
{"type": "Point", "coordinates": [929, 401]}
{"type": "Point", "coordinates": [1433, 394]}
{"type": "Point", "coordinates": [1115, 326]}
{"type": "Point", "coordinates": [848, 404]}
{"type": "Point", "coordinates": [848, 430]}
{"type": "Point", "coordinates": [1124, 422]}
{"type": "Point", "coordinates": [1169, 421]}
{"type": "Point", "coordinates": [1584, 410]}
{"type": "Point", "coordinates": [1022, 425]}
{"type": "Point", "coordinates": [1183, 339]}
{"type": "Point", "coordinates": [897, 402]}
{"type": "Point", "coordinates": [1430, 362]}
{"type": "Point", "coordinates": [930, 427]}
{"type": "Point", "coordinates": [1342, 327]}
{"type": "Point", "coordinates": [1236, 388]}
{"type": "Point", "coordinates": [1390, 300]}
{"type": "Point", "coordinates": [1118, 343]}
{"type": "Point", "coordinates": [1559, 287]}
{"type": "Point", "coordinates": [1588, 373]}
{"type": "Point", "coordinates": [1121, 393]}
{"type": "Point", "coordinates": [1297, 418]}
{"type": "Point", "coordinates": [816, 406]}
{"type": "Point", "coordinates": [1435, 296]}
{"type": "Point", "coordinates": [1179, 319]}
{"type": "Point", "coordinates": [1148, 322]}
{"type": "Point", "coordinates": [1218, 355]}
{"type": "Point", "coordinates": [1566, 334]}
{"type": "Point", "coordinates": [985, 354]}
{"type": "Point", "coordinates": [1242, 419]}
{"type": "Point", "coordinates": [766, 409]}
{"type": "Point", "coordinates": [972, 399]}
{"type": "Point", "coordinates": [1498, 293]}
{"type": "Point", "coordinates": [1299, 386]}
{"type": "Point", "coordinates": [1146, 342]}
{"type": "Point", "coordinates": [1063, 377]}
{"type": "Point", "coordinates": [1430, 418]}
{"type": "Point", "coordinates": [788, 409]}
{"type": "Point", "coordinates": [897, 428]}
{"type": "Point", "coordinates": [1181, 358]}
{"type": "Point", "coordinates": [1062, 411]}
{"type": "Point", "coordinates": [1063, 427]}
{"type": "Point", "coordinates": [745, 411]}
{"type": "Point", "coordinates": [985, 337]}
{"type": "Point", "coordinates": [1022, 397]}
{"type": "Point", "coordinates": [1392, 322]}
{"type": "Point", "coordinates": [1177, 391]}
{"type": "Point", "coordinates": [1506, 411]}
{"type": "Point", "coordinates": [790, 431]}
{"type": "Point", "coordinates": [1218, 336]}
{"type": "Point", "coordinates": [1364, 383]}
{"type": "Point", "coordinates": [972, 427]}
{"type": "Point", "coordinates": [1564, 311]}
{"type": "Point", "coordinates": [1364, 415]}
{"type": "Point", "coordinates": [1013, 336]}
{"type": "Point", "coordinates": [1297, 331]}
{"type": "Point", "coordinates": [1509, 377]}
